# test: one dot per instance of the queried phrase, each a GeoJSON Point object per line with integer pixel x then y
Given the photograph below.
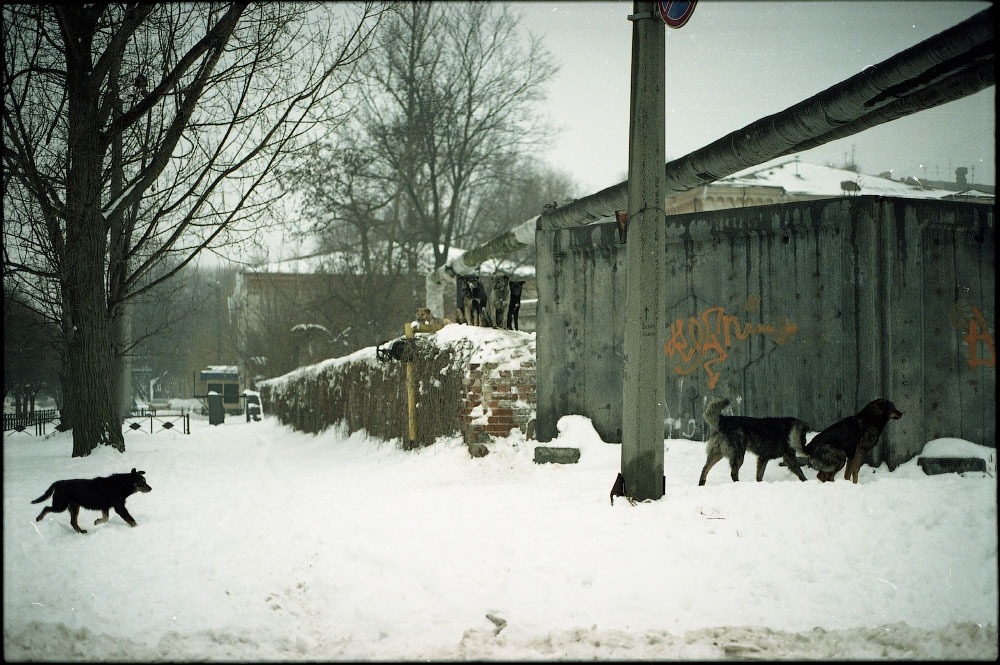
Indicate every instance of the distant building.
{"type": "Point", "coordinates": [283, 320]}
{"type": "Point", "coordinates": [794, 180]}
{"type": "Point", "coordinates": [223, 380]}
{"type": "Point", "coordinates": [963, 190]}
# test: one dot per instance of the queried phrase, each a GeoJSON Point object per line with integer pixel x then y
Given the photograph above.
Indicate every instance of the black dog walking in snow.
{"type": "Point", "coordinates": [101, 494]}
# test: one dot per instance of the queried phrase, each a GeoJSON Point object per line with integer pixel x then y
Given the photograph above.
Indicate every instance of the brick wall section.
{"type": "Point", "coordinates": [497, 400]}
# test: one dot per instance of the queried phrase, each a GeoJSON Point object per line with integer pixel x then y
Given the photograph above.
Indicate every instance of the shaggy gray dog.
{"type": "Point", "coordinates": [767, 438]}
{"type": "Point", "coordinates": [498, 302]}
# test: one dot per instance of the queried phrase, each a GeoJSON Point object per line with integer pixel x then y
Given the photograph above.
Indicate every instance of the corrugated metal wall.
{"type": "Point", "coordinates": [807, 309]}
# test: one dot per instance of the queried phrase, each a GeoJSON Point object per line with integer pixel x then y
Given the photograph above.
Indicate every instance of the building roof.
{"type": "Point", "coordinates": [220, 373]}
{"type": "Point", "coordinates": [974, 194]}
{"type": "Point", "coordinates": [805, 179]}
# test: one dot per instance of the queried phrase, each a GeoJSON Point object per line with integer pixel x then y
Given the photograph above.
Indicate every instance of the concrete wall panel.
{"type": "Point", "coordinates": [809, 309]}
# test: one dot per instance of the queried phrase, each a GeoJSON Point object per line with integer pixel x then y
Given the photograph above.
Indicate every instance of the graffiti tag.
{"type": "Point", "coordinates": [704, 340]}
{"type": "Point", "coordinates": [977, 336]}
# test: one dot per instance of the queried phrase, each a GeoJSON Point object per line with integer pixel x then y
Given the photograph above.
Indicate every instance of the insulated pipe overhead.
{"type": "Point", "coordinates": [950, 65]}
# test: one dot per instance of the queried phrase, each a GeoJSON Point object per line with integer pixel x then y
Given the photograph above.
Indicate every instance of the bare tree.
{"type": "Point", "coordinates": [448, 107]}
{"type": "Point", "coordinates": [138, 135]}
{"type": "Point", "coordinates": [361, 242]}
{"type": "Point", "coordinates": [447, 126]}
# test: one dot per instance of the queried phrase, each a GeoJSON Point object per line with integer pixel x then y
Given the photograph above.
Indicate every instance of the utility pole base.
{"type": "Point", "coordinates": [618, 489]}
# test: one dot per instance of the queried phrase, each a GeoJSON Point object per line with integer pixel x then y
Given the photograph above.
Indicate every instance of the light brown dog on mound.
{"type": "Point", "coordinates": [427, 322]}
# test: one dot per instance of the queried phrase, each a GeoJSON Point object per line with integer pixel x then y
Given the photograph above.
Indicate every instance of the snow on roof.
{"type": "Point", "coordinates": [974, 193]}
{"type": "Point", "coordinates": [232, 369]}
{"type": "Point", "coordinates": [805, 179]}
{"type": "Point", "coordinates": [507, 349]}
{"type": "Point", "coordinates": [513, 270]}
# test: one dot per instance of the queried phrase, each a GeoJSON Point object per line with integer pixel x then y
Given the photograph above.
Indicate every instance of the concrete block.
{"type": "Point", "coordinates": [933, 466]}
{"type": "Point", "coordinates": [550, 454]}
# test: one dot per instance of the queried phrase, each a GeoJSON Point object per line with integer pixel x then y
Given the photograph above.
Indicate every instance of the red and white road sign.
{"type": "Point", "coordinates": [675, 13]}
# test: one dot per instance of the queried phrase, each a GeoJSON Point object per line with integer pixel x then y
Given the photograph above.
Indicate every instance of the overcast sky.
{"type": "Point", "coordinates": [737, 61]}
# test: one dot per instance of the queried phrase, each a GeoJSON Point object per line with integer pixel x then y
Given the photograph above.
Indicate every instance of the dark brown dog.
{"type": "Point", "coordinates": [94, 494]}
{"type": "Point", "coordinates": [849, 441]}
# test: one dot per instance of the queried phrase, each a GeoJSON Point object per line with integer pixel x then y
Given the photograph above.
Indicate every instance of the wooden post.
{"type": "Point", "coordinates": [645, 279]}
{"type": "Point", "coordinates": [411, 394]}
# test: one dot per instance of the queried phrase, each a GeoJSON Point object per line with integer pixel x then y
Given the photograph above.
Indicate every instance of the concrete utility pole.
{"type": "Point", "coordinates": [645, 278]}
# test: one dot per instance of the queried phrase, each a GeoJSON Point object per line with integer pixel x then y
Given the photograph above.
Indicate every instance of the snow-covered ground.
{"type": "Point", "coordinates": [261, 543]}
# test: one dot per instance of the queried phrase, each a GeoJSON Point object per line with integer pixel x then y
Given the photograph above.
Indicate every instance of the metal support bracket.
{"type": "Point", "coordinates": [618, 489]}
{"type": "Point", "coordinates": [621, 216]}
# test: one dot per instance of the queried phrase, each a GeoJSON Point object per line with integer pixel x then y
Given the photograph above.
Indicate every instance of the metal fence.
{"type": "Point", "coordinates": [36, 421]}
{"type": "Point", "coordinates": [153, 421]}
{"type": "Point", "coordinates": [143, 421]}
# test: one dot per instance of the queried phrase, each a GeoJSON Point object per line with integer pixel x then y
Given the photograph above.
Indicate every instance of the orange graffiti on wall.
{"type": "Point", "coordinates": [979, 332]}
{"type": "Point", "coordinates": [704, 340]}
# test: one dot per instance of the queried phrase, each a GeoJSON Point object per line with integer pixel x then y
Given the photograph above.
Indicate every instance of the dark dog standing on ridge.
{"type": "Point", "coordinates": [850, 440]}
{"type": "Point", "coordinates": [101, 494]}
{"type": "Point", "coordinates": [767, 438]}
{"type": "Point", "coordinates": [516, 286]}
{"type": "Point", "coordinates": [473, 299]}
{"type": "Point", "coordinates": [498, 304]}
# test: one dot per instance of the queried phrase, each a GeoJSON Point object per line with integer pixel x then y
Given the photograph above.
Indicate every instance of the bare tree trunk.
{"type": "Point", "coordinates": [118, 261]}
{"type": "Point", "coordinates": [90, 366]}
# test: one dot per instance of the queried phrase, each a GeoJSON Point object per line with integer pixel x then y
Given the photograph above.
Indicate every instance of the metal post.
{"type": "Point", "coordinates": [411, 395]}
{"type": "Point", "coordinates": [645, 278]}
